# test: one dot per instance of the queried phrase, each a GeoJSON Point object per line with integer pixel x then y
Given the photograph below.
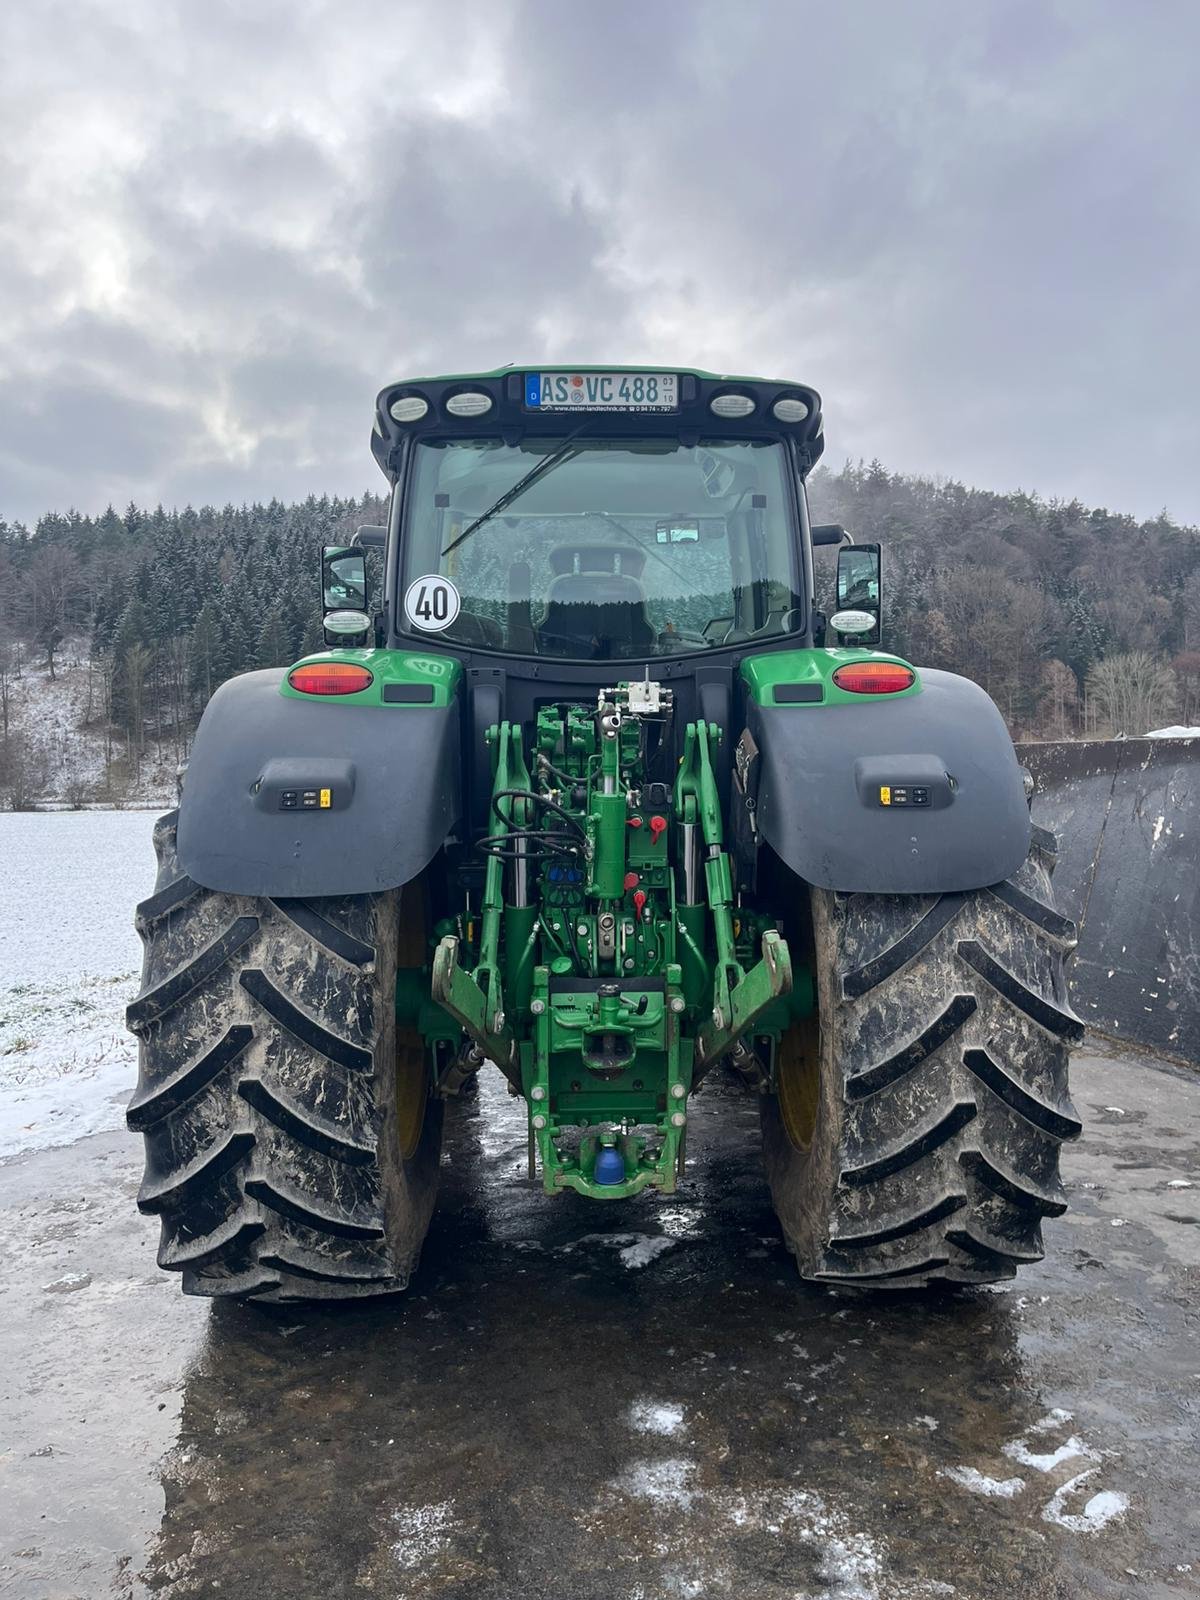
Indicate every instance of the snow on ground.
{"type": "Point", "coordinates": [655, 1416]}
{"type": "Point", "coordinates": [69, 965]}
{"type": "Point", "coordinates": [59, 720]}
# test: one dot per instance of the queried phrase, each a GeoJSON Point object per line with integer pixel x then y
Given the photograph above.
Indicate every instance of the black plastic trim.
{"type": "Point", "coordinates": [795, 694]}
{"type": "Point", "coordinates": [567, 985]}
{"type": "Point", "coordinates": [408, 694]}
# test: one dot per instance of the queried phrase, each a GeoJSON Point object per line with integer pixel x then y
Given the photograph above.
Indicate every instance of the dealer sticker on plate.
{"type": "Point", "coordinates": [601, 391]}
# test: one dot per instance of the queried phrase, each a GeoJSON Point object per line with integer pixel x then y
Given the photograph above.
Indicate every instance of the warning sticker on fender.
{"type": "Point", "coordinates": [431, 603]}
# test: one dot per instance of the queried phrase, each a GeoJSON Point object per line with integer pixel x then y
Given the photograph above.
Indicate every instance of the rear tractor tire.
{"type": "Point", "coordinates": [292, 1143]}
{"type": "Point", "coordinates": [915, 1133]}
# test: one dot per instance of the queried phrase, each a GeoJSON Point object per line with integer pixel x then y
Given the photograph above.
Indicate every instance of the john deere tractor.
{"type": "Point", "coordinates": [596, 794]}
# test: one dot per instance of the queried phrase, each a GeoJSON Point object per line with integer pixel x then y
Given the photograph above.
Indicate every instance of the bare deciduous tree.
{"type": "Point", "coordinates": [1060, 699]}
{"type": "Point", "coordinates": [53, 597]}
{"type": "Point", "coordinates": [1191, 612]}
{"type": "Point", "coordinates": [133, 671]}
{"type": "Point", "coordinates": [1131, 693]}
{"type": "Point", "coordinates": [23, 772]}
{"type": "Point", "coordinates": [1186, 667]}
{"type": "Point", "coordinates": [7, 660]}
{"type": "Point", "coordinates": [992, 628]}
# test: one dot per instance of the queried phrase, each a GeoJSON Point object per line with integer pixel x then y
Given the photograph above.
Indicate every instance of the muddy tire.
{"type": "Point", "coordinates": [292, 1145]}
{"type": "Point", "coordinates": [915, 1135]}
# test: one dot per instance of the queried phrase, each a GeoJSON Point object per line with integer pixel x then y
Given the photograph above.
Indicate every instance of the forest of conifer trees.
{"type": "Point", "coordinates": [1076, 621]}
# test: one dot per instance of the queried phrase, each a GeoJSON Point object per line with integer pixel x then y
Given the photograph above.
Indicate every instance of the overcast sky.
{"type": "Point", "coordinates": [975, 227]}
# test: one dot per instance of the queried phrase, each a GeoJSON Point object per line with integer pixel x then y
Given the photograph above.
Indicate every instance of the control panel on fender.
{"type": "Point", "coordinates": [294, 784]}
{"type": "Point", "coordinates": [305, 799]}
{"type": "Point", "coordinates": [899, 794]}
{"type": "Point", "coordinates": [904, 782]}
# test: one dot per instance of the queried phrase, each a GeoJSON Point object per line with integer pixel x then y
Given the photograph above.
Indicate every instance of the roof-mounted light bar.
{"type": "Point", "coordinates": [512, 400]}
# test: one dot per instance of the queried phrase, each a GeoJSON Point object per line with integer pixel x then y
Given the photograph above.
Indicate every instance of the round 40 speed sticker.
{"type": "Point", "coordinates": [431, 603]}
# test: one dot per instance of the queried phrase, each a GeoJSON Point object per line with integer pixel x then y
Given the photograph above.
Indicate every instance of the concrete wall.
{"type": "Point", "coordinates": [1127, 816]}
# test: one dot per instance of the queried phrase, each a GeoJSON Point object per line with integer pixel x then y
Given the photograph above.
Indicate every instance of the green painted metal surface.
{"type": "Point", "coordinates": [763, 674]}
{"type": "Point", "coordinates": [441, 674]}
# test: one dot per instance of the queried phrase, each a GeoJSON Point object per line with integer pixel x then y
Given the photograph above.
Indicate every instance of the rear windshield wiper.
{"type": "Point", "coordinates": [545, 465]}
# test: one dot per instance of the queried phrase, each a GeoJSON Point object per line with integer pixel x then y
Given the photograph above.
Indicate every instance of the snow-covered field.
{"type": "Point", "coordinates": [69, 964]}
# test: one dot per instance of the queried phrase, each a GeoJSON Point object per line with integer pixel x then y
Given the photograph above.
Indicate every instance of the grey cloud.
{"type": "Point", "coordinates": [974, 228]}
{"type": "Point", "coordinates": [59, 443]}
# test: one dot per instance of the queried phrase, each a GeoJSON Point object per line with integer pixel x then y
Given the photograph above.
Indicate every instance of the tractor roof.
{"type": "Point", "coordinates": [554, 399]}
{"type": "Point", "coordinates": [594, 366]}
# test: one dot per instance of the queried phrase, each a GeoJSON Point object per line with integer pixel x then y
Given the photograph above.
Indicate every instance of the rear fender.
{"type": "Point", "coordinates": [817, 800]}
{"type": "Point", "coordinates": [385, 779]}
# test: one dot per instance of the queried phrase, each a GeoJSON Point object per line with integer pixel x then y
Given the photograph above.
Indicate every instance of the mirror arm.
{"type": "Point", "coordinates": [826, 533]}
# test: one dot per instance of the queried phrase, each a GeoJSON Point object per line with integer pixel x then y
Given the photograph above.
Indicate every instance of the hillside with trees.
{"type": "Point", "coordinates": [1078, 622]}
{"type": "Point", "coordinates": [139, 617]}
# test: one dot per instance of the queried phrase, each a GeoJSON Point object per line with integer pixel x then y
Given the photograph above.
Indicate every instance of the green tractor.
{"type": "Point", "coordinates": [596, 793]}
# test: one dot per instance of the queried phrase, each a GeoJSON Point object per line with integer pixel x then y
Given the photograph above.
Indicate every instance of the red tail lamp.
{"type": "Point", "coordinates": [330, 677]}
{"type": "Point", "coordinates": [874, 677]}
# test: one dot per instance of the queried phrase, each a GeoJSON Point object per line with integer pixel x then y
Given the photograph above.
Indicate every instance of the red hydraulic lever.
{"type": "Point", "coordinates": [658, 827]}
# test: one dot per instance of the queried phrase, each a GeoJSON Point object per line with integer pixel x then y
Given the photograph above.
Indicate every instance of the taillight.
{"type": "Point", "coordinates": [330, 677]}
{"type": "Point", "coordinates": [874, 677]}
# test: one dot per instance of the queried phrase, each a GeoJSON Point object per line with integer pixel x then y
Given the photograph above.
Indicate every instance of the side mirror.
{"type": "Point", "coordinates": [370, 537]}
{"type": "Point", "coordinates": [346, 619]}
{"type": "Point", "coordinates": [859, 614]}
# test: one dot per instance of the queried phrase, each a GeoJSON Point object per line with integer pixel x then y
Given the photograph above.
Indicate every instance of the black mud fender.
{"type": "Point", "coordinates": [821, 770]}
{"type": "Point", "coordinates": [290, 797]}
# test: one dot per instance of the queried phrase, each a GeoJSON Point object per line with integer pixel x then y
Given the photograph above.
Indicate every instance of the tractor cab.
{"type": "Point", "coordinates": [594, 516]}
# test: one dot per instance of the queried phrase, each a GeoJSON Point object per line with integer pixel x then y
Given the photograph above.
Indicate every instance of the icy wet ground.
{"type": "Point", "coordinates": [544, 1417]}
{"type": "Point", "coordinates": [69, 960]}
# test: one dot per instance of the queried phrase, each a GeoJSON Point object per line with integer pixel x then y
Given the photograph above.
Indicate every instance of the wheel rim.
{"type": "Point", "coordinates": [412, 1090]}
{"type": "Point", "coordinates": [798, 1080]}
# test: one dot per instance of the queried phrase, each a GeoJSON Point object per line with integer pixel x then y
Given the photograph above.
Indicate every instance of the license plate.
{"type": "Point", "coordinates": [601, 391]}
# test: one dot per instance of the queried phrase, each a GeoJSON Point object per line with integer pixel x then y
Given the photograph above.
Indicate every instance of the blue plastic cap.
{"type": "Point", "coordinates": [610, 1166]}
